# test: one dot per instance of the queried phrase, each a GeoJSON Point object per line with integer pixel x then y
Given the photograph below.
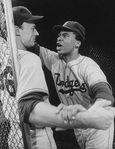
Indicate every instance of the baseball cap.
{"type": "Point", "coordinates": [70, 26]}
{"type": "Point", "coordinates": [22, 14]}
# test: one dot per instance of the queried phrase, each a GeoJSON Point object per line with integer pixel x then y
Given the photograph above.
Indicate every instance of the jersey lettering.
{"type": "Point", "coordinates": [73, 85]}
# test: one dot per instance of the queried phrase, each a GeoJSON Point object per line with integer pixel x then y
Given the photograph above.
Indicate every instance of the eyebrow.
{"type": "Point", "coordinates": [63, 33]}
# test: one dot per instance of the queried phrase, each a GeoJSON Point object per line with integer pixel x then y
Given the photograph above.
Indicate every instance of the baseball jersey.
{"type": "Point", "coordinates": [31, 76]}
{"type": "Point", "coordinates": [81, 81]}
{"type": "Point", "coordinates": [31, 90]}
{"type": "Point", "coordinates": [74, 81]}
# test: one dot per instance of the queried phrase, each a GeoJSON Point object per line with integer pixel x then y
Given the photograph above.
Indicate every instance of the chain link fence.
{"type": "Point", "coordinates": [10, 132]}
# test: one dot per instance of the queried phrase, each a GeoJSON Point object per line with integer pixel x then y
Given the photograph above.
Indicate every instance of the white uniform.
{"type": "Point", "coordinates": [74, 82]}
{"type": "Point", "coordinates": [31, 80]}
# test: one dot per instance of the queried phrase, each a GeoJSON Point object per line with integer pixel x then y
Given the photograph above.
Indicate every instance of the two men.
{"type": "Point", "coordinates": [35, 111]}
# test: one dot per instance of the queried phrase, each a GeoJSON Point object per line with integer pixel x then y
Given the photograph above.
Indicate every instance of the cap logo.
{"type": "Point", "coordinates": [65, 23]}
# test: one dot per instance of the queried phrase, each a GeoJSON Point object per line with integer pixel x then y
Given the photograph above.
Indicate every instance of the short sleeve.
{"type": "Point", "coordinates": [31, 76]}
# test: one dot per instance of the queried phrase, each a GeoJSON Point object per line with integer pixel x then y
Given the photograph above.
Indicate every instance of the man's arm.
{"type": "Point", "coordinates": [48, 57]}
{"type": "Point", "coordinates": [44, 114]}
{"type": "Point", "coordinates": [102, 91]}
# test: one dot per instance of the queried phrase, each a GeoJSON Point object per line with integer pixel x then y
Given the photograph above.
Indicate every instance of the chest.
{"type": "Point", "coordinates": [64, 77]}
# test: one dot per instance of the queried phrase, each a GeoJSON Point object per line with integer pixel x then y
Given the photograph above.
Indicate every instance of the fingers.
{"type": "Point", "coordinates": [108, 108]}
{"type": "Point", "coordinates": [100, 103]}
{"type": "Point", "coordinates": [112, 110]}
{"type": "Point", "coordinates": [76, 109]}
{"type": "Point", "coordinates": [64, 110]}
{"type": "Point", "coordinates": [103, 103]}
{"type": "Point", "coordinates": [69, 112]}
{"type": "Point", "coordinates": [59, 108]}
{"type": "Point", "coordinates": [80, 108]}
{"type": "Point", "coordinates": [65, 115]}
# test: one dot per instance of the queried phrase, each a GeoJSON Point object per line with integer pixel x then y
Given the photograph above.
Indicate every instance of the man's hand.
{"type": "Point", "coordinates": [102, 114]}
{"type": "Point", "coordinates": [69, 112]}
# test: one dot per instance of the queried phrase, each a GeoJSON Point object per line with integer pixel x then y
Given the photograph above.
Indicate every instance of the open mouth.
{"type": "Point", "coordinates": [58, 44]}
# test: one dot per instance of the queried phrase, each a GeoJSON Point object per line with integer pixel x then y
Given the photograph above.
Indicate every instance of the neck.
{"type": "Point", "coordinates": [70, 57]}
{"type": "Point", "coordinates": [20, 45]}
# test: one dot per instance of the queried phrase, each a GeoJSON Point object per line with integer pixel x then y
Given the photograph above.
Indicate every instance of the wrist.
{"type": "Point", "coordinates": [88, 119]}
{"type": "Point", "coordinates": [82, 120]}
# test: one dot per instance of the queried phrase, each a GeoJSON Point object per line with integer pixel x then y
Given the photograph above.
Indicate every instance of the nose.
{"type": "Point", "coordinates": [59, 38]}
{"type": "Point", "coordinates": [36, 33]}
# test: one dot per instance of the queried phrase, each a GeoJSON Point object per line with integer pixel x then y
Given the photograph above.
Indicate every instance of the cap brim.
{"type": "Point", "coordinates": [34, 18]}
{"type": "Point", "coordinates": [56, 29]}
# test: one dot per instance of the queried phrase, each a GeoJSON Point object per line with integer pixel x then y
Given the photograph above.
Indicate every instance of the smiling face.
{"type": "Point", "coordinates": [28, 34]}
{"type": "Point", "coordinates": [66, 43]}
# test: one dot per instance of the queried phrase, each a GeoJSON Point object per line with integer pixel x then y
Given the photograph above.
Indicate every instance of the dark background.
{"type": "Point", "coordinates": [98, 18]}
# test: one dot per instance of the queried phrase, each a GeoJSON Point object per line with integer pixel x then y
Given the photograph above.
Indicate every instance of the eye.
{"type": "Point", "coordinates": [65, 35]}
{"type": "Point", "coordinates": [33, 28]}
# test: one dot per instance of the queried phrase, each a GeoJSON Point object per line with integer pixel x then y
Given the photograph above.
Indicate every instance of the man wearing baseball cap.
{"type": "Point", "coordinates": [32, 95]}
{"type": "Point", "coordinates": [79, 81]}
{"type": "Point", "coordinates": [71, 26]}
{"type": "Point", "coordinates": [36, 114]}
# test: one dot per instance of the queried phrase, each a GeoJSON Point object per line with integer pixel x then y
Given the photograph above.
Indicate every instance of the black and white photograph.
{"type": "Point", "coordinates": [57, 74]}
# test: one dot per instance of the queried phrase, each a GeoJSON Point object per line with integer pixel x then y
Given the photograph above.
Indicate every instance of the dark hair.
{"type": "Point", "coordinates": [78, 37]}
{"type": "Point", "coordinates": [21, 26]}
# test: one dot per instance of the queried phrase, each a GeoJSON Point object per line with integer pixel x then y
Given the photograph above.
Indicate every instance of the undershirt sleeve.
{"type": "Point", "coordinates": [102, 90]}
{"type": "Point", "coordinates": [27, 103]}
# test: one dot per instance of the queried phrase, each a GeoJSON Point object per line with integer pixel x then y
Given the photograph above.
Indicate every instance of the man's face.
{"type": "Point", "coordinates": [28, 34]}
{"type": "Point", "coordinates": [65, 42]}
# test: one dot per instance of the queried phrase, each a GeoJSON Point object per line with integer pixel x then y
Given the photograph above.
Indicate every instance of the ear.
{"type": "Point", "coordinates": [17, 32]}
{"type": "Point", "coordinates": [77, 43]}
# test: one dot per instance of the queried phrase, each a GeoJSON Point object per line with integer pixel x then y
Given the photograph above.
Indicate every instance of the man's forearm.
{"type": "Point", "coordinates": [45, 115]}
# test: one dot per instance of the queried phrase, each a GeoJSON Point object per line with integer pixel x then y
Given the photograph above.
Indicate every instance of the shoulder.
{"type": "Point", "coordinates": [28, 57]}
{"type": "Point", "coordinates": [89, 60]}
{"type": "Point", "coordinates": [81, 61]}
